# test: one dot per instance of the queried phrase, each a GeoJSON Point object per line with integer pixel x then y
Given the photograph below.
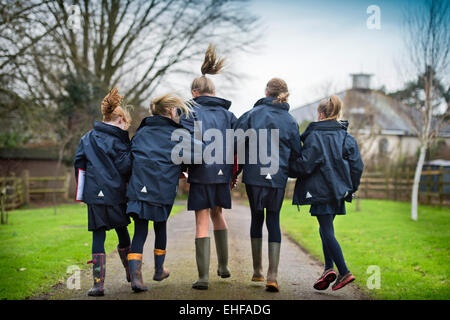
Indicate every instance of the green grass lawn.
{"type": "Point", "coordinates": [37, 246]}
{"type": "Point", "coordinates": [413, 256]}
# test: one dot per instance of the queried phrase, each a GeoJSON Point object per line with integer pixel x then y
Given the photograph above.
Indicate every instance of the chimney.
{"type": "Point", "coordinates": [361, 80]}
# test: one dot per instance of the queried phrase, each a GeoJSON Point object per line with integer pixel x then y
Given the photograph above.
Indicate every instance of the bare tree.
{"type": "Point", "coordinates": [363, 126]}
{"type": "Point", "coordinates": [428, 46]}
{"type": "Point", "coordinates": [133, 44]}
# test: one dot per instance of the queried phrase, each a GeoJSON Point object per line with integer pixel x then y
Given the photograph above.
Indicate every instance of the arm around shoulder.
{"type": "Point", "coordinates": [353, 156]}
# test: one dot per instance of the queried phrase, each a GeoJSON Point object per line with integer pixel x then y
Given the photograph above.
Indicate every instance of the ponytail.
{"type": "Point", "coordinates": [111, 108]}
{"type": "Point", "coordinates": [163, 104]}
{"type": "Point", "coordinates": [278, 89]}
{"type": "Point", "coordinates": [211, 65]}
{"type": "Point", "coordinates": [331, 108]}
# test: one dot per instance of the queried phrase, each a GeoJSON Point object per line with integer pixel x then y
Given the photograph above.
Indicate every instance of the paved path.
{"type": "Point", "coordinates": [297, 271]}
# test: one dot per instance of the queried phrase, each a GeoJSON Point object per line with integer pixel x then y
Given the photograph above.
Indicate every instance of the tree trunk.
{"type": "Point", "coordinates": [415, 190]}
{"type": "Point", "coordinates": [357, 203]}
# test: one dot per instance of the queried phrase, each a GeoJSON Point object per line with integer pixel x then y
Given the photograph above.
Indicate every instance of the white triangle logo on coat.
{"type": "Point", "coordinates": [100, 194]}
{"type": "Point", "coordinates": [308, 195]}
{"type": "Point", "coordinates": [144, 189]}
{"type": "Point", "coordinates": [220, 173]}
{"type": "Point", "coordinates": [269, 177]}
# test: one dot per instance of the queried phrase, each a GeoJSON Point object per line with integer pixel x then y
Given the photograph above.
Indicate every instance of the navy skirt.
{"type": "Point", "coordinates": [333, 207]}
{"type": "Point", "coordinates": [149, 211]}
{"type": "Point", "coordinates": [108, 217]}
{"type": "Point", "coordinates": [265, 197]}
{"type": "Point", "coordinates": [208, 196]}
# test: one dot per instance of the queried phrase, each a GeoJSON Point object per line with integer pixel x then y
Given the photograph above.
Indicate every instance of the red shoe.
{"type": "Point", "coordinates": [327, 277]}
{"type": "Point", "coordinates": [342, 281]}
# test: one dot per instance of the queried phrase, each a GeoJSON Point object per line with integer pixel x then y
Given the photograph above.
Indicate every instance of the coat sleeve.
{"type": "Point", "coordinates": [296, 148]}
{"type": "Point", "coordinates": [352, 155]}
{"type": "Point", "coordinates": [311, 156]}
{"type": "Point", "coordinates": [241, 123]}
{"type": "Point", "coordinates": [188, 122]}
{"type": "Point", "coordinates": [80, 160]}
{"type": "Point", "coordinates": [122, 157]}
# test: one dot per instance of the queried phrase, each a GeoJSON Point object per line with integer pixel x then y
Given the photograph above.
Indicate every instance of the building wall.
{"type": "Point", "coordinates": [397, 145]}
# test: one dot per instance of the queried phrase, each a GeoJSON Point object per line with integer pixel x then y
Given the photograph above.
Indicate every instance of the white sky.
{"type": "Point", "coordinates": [312, 43]}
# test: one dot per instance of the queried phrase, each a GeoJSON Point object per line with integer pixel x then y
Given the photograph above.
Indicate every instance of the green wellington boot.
{"type": "Point", "coordinates": [221, 239]}
{"type": "Point", "coordinates": [272, 272]}
{"type": "Point", "coordinates": [135, 263]}
{"type": "Point", "coordinates": [98, 270]}
{"type": "Point", "coordinates": [202, 253]}
{"type": "Point", "coordinates": [257, 259]}
{"type": "Point", "coordinates": [160, 272]}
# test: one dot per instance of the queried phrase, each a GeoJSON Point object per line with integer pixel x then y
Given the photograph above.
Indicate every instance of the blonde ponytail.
{"type": "Point", "coordinates": [163, 104]}
{"type": "Point", "coordinates": [211, 65]}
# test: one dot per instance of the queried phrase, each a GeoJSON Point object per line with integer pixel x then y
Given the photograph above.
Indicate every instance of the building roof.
{"type": "Point", "coordinates": [389, 114]}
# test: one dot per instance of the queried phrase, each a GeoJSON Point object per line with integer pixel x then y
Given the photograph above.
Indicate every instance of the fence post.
{"type": "Point", "coordinates": [395, 182]}
{"type": "Point", "coordinates": [2, 206]}
{"type": "Point", "coordinates": [441, 185]}
{"type": "Point", "coordinates": [26, 185]}
{"type": "Point", "coordinates": [66, 186]}
{"type": "Point", "coordinates": [386, 181]}
{"type": "Point", "coordinates": [366, 189]}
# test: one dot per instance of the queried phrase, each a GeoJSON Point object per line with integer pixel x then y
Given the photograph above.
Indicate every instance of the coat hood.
{"type": "Point", "coordinates": [158, 120]}
{"type": "Point", "coordinates": [269, 101]}
{"type": "Point", "coordinates": [327, 125]}
{"type": "Point", "coordinates": [213, 101]}
{"type": "Point", "coordinates": [112, 130]}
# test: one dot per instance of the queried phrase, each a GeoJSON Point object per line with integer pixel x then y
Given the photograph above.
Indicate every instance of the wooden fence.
{"type": "Point", "coordinates": [433, 188]}
{"type": "Point", "coordinates": [394, 185]}
{"type": "Point", "coordinates": [17, 191]}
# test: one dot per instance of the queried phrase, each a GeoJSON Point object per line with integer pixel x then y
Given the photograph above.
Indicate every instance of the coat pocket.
{"type": "Point", "coordinates": [155, 182]}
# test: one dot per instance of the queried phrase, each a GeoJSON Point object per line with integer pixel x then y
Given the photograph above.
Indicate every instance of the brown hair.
{"type": "Point", "coordinates": [161, 105]}
{"type": "Point", "coordinates": [277, 88]}
{"type": "Point", "coordinates": [112, 110]}
{"type": "Point", "coordinates": [331, 108]}
{"type": "Point", "coordinates": [211, 65]}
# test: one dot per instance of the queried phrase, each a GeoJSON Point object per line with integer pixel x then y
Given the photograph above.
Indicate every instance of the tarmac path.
{"type": "Point", "coordinates": [296, 275]}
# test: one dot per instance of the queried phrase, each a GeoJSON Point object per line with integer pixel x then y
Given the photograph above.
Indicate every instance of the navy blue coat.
{"type": "Point", "coordinates": [104, 153]}
{"type": "Point", "coordinates": [269, 115]}
{"type": "Point", "coordinates": [154, 176]}
{"type": "Point", "coordinates": [330, 165]}
{"type": "Point", "coordinates": [214, 114]}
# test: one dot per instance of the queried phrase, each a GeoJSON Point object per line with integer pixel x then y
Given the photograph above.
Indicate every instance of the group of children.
{"type": "Point", "coordinates": [138, 178]}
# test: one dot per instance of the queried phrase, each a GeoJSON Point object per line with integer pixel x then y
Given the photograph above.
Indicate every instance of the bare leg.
{"type": "Point", "coordinates": [217, 219]}
{"type": "Point", "coordinates": [202, 223]}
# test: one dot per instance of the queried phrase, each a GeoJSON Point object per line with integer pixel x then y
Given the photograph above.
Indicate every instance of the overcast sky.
{"type": "Point", "coordinates": [313, 43]}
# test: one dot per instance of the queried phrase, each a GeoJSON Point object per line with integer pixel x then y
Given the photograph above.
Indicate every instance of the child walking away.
{"type": "Point", "coordinates": [104, 155]}
{"type": "Point", "coordinates": [266, 190]}
{"type": "Point", "coordinates": [209, 190]}
{"type": "Point", "coordinates": [329, 171]}
{"type": "Point", "coordinates": [153, 184]}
